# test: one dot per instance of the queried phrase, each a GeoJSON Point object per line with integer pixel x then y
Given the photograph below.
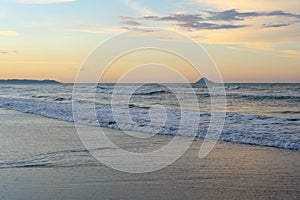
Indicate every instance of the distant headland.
{"type": "Point", "coordinates": [28, 81]}
{"type": "Point", "coordinates": [204, 81]}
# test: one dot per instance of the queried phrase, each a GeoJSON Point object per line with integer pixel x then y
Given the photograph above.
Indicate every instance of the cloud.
{"type": "Point", "coordinates": [275, 25]}
{"type": "Point", "coordinates": [8, 52]}
{"type": "Point", "coordinates": [266, 5]}
{"type": "Point", "coordinates": [191, 21]}
{"type": "Point", "coordinates": [209, 26]}
{"type": "Point", "coordinates": [230, 15]}
{"type": "Point", "coordinates": [139, 8]}
{"type": "Point", "coordinates": [93, 31]}
{"type": "Point", "coordinates": [145, 30]}
{"type": "Point", "coordinates": [187, 21]}
{"type": "Point", "coordinates": [235, 48]}
{"type": "Point", "coordinates": [178, 18]}
{"type": "Point", "coordinates": [211, 20]}
{"type": "Point", "coordinates": [259, 30]}
{"type": "Point", "coordinates": [9, 33]}
{"type": "Point", "coordinates": [234, 15]}
{"type": "Point", "coordinates": [132, 23]}
{"type": "Point", "coordinates": [42, 62]}
{"type": "Point", "coordinates": [85, 28]}
{"type": "Point", "coordinates": [282, 13]}
{"type": "Point", "coordinates": [290, 53]}
{"type": "Point", "coordinates": [44, 1]}
{"type": "Point", "coordinates": [129, 22]}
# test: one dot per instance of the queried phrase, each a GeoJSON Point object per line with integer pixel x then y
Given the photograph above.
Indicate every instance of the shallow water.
{"type": "Point", "coordinates": [42, 158]}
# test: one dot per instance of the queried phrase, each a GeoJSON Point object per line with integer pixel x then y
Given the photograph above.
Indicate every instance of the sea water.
{"type": "Point", "coordinates": [260, 114]}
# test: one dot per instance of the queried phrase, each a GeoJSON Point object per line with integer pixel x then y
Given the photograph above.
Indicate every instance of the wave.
{"type": "Point", "coordinates": [262, 97]}
{"type": "Point", "coordinates": [62, 99]}
{"type": "Point", "coordinates": [137, 106]}
{"type": "Point", "coordinates": [125, 92]}
{"type": "Point", "coordinates": [39, 96]}
{"type": "Point", "coordinates": [49, 97]}
{"type": "Point", "coordinates": [251, 97]}
{"type": "Point", "coordinates": [104, 90]}
{"type": "Point", "coordinates": [287, 112]}
{"type": "Point", "coordinates": [63, 158]}
{"type": "Point", "coordinates": [248, 129]}
{"type": "Point", "coordinates": [151, 92]}
{"type": "Point", "coordinates": [226, 87]}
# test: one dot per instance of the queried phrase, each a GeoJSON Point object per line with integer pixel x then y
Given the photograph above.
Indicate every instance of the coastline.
{"type": "Point", "coordinates": [230, 171]}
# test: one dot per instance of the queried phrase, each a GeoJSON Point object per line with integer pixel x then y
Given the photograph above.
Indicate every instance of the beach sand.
{"type": "Point", "coordinates": [230, 171]}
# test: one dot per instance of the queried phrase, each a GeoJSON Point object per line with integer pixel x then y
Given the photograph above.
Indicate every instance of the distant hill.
{"type": "Point", "coordinates": [28, 81]}
{"type": "Point", "coordinates": [204, 81]}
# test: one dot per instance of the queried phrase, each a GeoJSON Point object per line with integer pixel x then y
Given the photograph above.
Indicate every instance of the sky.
{"type": "Point", "coordinates": [249, 40]}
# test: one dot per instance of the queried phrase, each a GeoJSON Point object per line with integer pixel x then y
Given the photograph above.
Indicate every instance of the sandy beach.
{"type": "Point", "coordinates": [129, 100]}
{"type": "Point", "coordinates": [230, 171]}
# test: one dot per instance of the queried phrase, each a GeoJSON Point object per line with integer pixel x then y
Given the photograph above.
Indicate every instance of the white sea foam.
{"type": "Point", "coordinates": [248, 129]}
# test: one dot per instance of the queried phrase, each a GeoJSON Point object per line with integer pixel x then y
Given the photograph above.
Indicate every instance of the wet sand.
{"type": "Point", "coordinates": [230, 171]}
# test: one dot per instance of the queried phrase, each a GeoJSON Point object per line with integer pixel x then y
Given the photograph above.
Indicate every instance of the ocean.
{"type": "Point", "coordinates": [258, 114]}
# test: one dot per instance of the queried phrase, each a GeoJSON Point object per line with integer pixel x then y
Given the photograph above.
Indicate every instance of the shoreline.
{"type": "Point", "coordinates": [231, 170]}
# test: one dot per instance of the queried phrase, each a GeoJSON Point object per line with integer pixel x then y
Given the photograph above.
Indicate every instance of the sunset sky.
{"type": "Point", "coordinates": [249, 40]}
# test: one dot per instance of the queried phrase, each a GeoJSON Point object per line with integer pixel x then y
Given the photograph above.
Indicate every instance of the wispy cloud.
{"type": "Point", "coordinates": [44, 1]}
{"type": "Point", "coordinates": [132, 23]}
{"type": "Point", "coordinates": [234, 15]}
{"type": "Point", "coordinates": [209, 26]}
{"type": "Point", "coordinates": [142, 10]}
{"type": "Point", "coordinates": [145, 30]}
{"type": "Point", "coordinates": [237, 48]}
{"type": "Point", "coordinates": [275, 25]}
{"type": "Point", "coordinates": [129, 22]}
{"type": "Point", "coordinates": [282, 13]}
{"type": "Point", "coordinates": [7, 52]}
{"type": "Point", "coordinates": [94, 30]}
{"type": "Point", "coordinates": [267, 5]}
{"type": "Point", "coordinates": [9, 33]}
{"type": "Point", "coordinates": [177, 18]}
{"type": "Point", "coordinates": [212, 20]}
{"type": "Point", "coordinates": [290, 53]}
{"type": "Point", "coordinates": [229, 15]}
{"type": "Point", "coordinates": [42, 62]}
{"type": "Point", "coordinates": [259, 30]}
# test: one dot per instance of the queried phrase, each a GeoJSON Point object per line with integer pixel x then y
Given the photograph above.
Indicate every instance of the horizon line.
{"type": "Point", "coordinates": [283, 82]}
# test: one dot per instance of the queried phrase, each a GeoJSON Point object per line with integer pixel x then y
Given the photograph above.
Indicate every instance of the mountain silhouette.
{"type": "Point", "coordinates": [204, 80]}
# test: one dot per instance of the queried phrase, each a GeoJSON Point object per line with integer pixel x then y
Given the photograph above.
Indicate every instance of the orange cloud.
{"type": "Point", "coordinates": [9, 33]}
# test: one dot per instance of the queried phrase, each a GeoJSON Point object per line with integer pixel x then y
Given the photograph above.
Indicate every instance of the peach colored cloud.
{"type": "Point", "coordinates": [254, 5]}
{"type": "Point", "coordinates": [9, 33]}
